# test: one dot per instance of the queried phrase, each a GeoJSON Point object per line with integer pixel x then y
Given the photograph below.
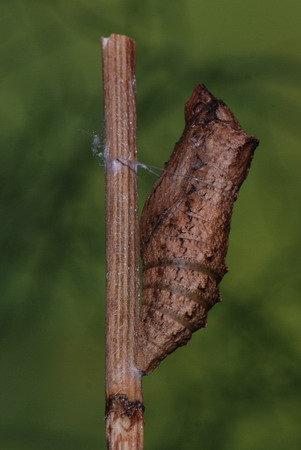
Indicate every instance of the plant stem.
{"type": "Point", "coordinates": [124, 401]}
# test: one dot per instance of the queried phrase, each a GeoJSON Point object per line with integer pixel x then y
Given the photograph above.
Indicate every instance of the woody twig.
{"type": "Point", "coordinates": [124, 407]}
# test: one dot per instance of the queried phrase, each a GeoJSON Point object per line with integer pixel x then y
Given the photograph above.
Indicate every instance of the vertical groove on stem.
{"type": "Point", "coordinates": [124, 407]}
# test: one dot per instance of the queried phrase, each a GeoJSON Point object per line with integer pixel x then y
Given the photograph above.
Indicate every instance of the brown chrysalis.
{"type": "Point", "coordinates": [185, 226]}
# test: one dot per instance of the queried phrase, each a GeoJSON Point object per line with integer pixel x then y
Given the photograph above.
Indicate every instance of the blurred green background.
{"type": "Point", "coordinates": [236, 386]}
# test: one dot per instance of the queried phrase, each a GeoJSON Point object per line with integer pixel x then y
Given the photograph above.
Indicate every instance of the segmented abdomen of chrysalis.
{"type": "Point", "coordinates": [185, 226]}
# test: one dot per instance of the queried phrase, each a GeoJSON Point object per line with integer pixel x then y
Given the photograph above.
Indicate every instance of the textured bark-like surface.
{"type": "Point", "coordinates": [185, 226]}
{"type": "Point", "coordinates": [124, 422]}
{"type": "Point", "coordinates": [124, 412]}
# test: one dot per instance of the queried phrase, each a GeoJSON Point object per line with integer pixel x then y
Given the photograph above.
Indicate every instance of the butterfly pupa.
{"type": "Point", "coordinates": [185, 226]}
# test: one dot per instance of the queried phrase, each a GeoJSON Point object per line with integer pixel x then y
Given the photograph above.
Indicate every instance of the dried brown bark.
{"type": "Point", "coordinates": [185, 226]}
{"type": "Point", "coordinates": [124, 402]}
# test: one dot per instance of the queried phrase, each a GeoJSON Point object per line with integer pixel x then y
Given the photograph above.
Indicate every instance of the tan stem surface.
{"type": "Point", "coordinates": [124, 402]}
